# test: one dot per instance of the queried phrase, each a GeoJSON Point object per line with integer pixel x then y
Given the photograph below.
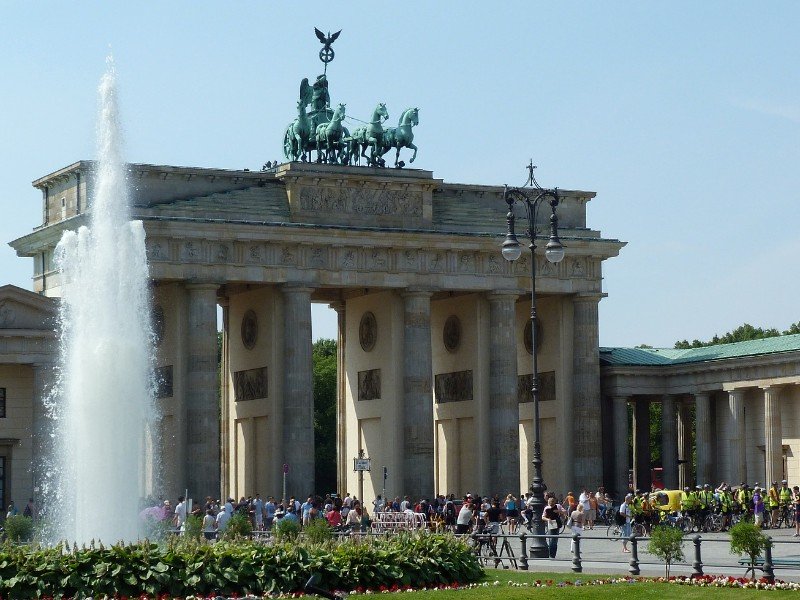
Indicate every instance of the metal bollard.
{"type": "Point", "coordinates": [769, 574]}
{"type": "Point", "coordinates": [576, 554]}
{"type": "Point", "coordinates": [634, 570]}
{"type": "Point", "coordinates": [523, 561]}
{"type": "Point", "coordinates": [697, 565]}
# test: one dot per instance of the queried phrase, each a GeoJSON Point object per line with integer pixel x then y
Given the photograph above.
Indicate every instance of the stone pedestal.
{"type": "Point", "coordinates": [737, 451]}
{"type": "Point", "coordinates": [773, 441]}
{"type": "Point", "coordinates": [202, 411]}
{"type": "Point", "coordinates": [703, 441]}
{"type": "Point", "coordinates": [418, 466]}
{"type": "Point", "coordinates": [586, 430]}
{"type": "Point", "coordinates": [298, 392]}
{"type": "Point", "coordinates": [669, 442]}
{"type": "Point", "coordinates": [621, 450]}
{"type": "Point", "coordinates": [503, 401]}
{"type": "Point", "coordinates": [641, 443]}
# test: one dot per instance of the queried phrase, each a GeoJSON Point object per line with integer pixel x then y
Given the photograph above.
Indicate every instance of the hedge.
{"type": "Point", "coordinates": [186, 567]}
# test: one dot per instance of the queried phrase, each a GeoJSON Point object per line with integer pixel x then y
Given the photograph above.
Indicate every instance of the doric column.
{"type": "Point", "coordinates": [586, 429]}
{"type": "Point", "coordinates": [298, 392]}
{"type": "Point", "coordinates": [773, 439]}
{"type": "Point", "coordinates": [42, 426]}
{"type": "Point", "coordinates": [737, 452]}
{"type": "Point", "coordinates": [202, 409]}
{"type": "Point", "coordinates": [684, 446]}
{"type": "Point", "coordinates": [669, 442]}
{"type": "Point", "coordinates": [225, 428]}
{"type": "Point", "coordinates": [703, 445]}
{"type": "Point", "coordinates": [621, 450]}
{"type": "Point", "coordinates": [341, 397]}
{"type": "Point", "coordinates": [503, 401]}
{"type": "Point", "coordinates": [641, 442]}
{"type": "Point", "coordinates": [418, 468]}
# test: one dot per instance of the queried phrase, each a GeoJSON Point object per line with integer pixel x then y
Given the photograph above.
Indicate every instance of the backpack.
{"type": "Point", "coordinates": [619, 518]}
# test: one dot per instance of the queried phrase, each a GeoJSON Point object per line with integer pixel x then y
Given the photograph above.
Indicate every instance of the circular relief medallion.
{"type": "Point", "coordinates": [158, 324]}
{"type": "Point", "coordinates": [249, 329]}
{"type": "Point", "coordinates": [368, 331]}
{"type": "Point", "coordinates": [451, 335]}
{"type": "Point", "coordinates": [528, 338]}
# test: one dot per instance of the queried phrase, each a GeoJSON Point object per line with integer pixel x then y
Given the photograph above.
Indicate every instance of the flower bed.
{"type": "Point", "coordinates": [183, 569]}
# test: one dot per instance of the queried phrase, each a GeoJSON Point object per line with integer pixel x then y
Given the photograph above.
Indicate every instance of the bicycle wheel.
{"type": "Point", "coordinates": [614, 531]}
{"type": "Point", "coordinates": [638, 530]}
{"type": "Point", "coordinates": [686, 524]}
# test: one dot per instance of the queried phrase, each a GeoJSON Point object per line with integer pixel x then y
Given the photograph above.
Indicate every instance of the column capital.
{"type": "Point", "coordinates": [296, 288]}
{"type": "Point", "coordinates": [201, 286]}
{"type": "Point", "coordinates": [224, 301]}
{"type": "Point", "coordinates": [416, 293]}
{"type": "Point", "coordinates": [589, 296]}
{"type": "Point", "coordinates": [338, 306]}
{"type": "Point", "coordinates": [502, 295]}
{"type": "Point", "coordinates": [771, 389]}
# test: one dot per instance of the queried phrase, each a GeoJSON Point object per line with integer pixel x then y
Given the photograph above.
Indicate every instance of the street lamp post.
{"type": "Point", "coordinates": [531, 198]}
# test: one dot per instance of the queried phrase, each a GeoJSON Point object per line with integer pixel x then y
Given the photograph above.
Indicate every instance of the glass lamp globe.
{"type": "Point", "coordinates": [511, 248]}
{"type": "Point", "coordinates": [554, 251]}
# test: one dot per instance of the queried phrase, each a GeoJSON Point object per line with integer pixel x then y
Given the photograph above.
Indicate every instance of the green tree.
{"type": "Point", "coordinates": [743, 333]}
{"type": "Point", "coordinates": [666, 543]}
{"type": "Point", "coordinates": [324, 357]}
{"type": "Point", "coordinates": [746, 538]}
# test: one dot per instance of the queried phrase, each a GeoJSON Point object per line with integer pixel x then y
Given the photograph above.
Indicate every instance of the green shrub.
{"type": "Point", "coordinates": [318, 531]}
{"type": "Point", "coordinates": [193, 528]}
{"type": "Point", "coordinates": [746, 538]}
{"type": "Point", "coordinates": [239, 527]}
{"type": "Point", "coordinates": [181, 567]}
{"type": "Point", "coordinates": [666, 543]}
{"type": "Point", "coordinates": [18, 528]}
{"type": "Point", "coordinates": [286, 530]}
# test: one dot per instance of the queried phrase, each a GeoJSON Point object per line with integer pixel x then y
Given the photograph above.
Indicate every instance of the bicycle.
{"type": "Point", "coordinates": [786, 516]}
{"type": "Point", "coordinates": [616, 531]}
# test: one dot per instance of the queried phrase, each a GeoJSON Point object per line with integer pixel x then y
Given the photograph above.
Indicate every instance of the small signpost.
{"type": "Point", "coordinates": [360, 464]}
{"type": "Point", "coordinates": [285, 473]}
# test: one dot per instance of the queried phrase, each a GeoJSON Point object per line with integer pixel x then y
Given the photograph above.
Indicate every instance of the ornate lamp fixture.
{"type": "Point", "coordinates": [532, 196]}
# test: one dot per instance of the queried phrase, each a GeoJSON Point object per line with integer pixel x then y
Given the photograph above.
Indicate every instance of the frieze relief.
{"type": "Point", "coordinates": [376, 259]}
{"type": "Point", "coordinates": [365, 201]}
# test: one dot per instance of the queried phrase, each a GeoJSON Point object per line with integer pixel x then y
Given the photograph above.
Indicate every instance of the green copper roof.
{"type": "Point", "coordinates": [672, 356]}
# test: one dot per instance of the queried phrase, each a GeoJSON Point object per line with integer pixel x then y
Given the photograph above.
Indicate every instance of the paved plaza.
{"type": "Point", "coordinates": [600, 554]}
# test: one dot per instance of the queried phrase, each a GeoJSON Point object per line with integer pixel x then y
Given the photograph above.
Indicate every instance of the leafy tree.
{"type": "Point", "coordinates": [666, 543]}
{"type": "Point", "coordinates": [746, 538]}
{"type": "Point", "coordinates": [324, 357]}
{"type": "Point", "coordinates": [18, 528]}
{"type": "Point", "coordinates": [743, 333]}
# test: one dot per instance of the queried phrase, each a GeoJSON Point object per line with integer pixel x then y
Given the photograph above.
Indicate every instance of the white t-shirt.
{"type": "Point", "coordinates": [208, 523]}
{"type": "Point", "coordinates": [180, 513]}
{"type": "Point", "coordinates": [222, 520]}
{"type": "Point", "coordinates": [584, 499]}
{"type": "Point", "coordinates": [464, 516]}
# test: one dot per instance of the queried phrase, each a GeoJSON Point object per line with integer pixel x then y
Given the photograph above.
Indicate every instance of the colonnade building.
{"type": "Point", "coordinates": [434, 342]}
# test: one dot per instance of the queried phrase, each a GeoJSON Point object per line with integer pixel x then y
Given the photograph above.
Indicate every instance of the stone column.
{"type": "Point", "coordinates": [586, 430]}
{"type": "Point", "coordinates": [773, 439]}
{"type": "Point", "coordinates": [418, 467]}
{"type": "Point", "coordinates": [42, 426]}
{"type": "Point", "coordinates": [503, 401]}
{"type": "Point", "coordinates": [202, 407]}
{"type": "Point", "coordinates": [702, 436]}
{"type": "Point", "coordinates": [669, 442]}
{"type": "Point", "coordinates": [737, 452]}
{"type": "Point", "coordinates": [641, 443]}
{"type": "Point", "coordinates": [684, 446]}
{"type": "Point", "coordinates": [298, 392]}
{"type": "Point", "coordinates": [621, 450]}
{"type": "Point", "coordinates": [341, 398]}
{"type": "Point", "coordinates": [225, 433]}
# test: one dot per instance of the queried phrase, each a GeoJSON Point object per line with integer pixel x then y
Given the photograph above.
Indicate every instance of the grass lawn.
{"type": "Point", "coordinates": [619, 591]}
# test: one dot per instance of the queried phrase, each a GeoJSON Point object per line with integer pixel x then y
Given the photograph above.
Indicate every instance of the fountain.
{"type": "Point", "coordinates": [103, 407]}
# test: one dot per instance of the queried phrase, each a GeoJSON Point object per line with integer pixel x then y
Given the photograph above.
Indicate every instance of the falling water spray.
{"type": "Point", "coordinates": [103, 408]}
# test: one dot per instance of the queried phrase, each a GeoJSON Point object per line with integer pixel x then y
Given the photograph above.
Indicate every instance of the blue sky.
{"type": "Point", "coordinates": [684, 117]}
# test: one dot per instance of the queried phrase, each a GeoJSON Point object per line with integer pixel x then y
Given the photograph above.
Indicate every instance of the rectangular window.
{"type": "Point", "coordinates": [2, 403]}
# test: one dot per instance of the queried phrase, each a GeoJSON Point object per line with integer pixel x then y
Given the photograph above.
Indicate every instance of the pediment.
{"type": "Point", "coordinates": [21, 309]}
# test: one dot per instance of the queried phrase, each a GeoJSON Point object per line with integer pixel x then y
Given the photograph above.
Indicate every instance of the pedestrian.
{"type": "Point", "coordinates": [465, 517]}
{"type": "Point", "coordinates": [796, 500]}
{"type": "Point", "coordinates": [578, 517]}
{"type": "Point", "coordinates": [552, 519]}
{"type": "Point", "coordinates": [209, 525]}
{"type": "Point", "coordinates": [758, 507]}
{"type": "Point", "coordinates": [626, 513]}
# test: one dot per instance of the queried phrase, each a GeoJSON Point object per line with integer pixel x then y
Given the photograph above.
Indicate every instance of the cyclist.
{"type": "Point", "coordinates": [706, 501]}
{"type": "Point", "coordinates": [796, 502]}
{"type": "Point", "coordinates": [772, 504]}
{"type": "Point", "coordinates": [745, 498]}
{"type": "Point", "coordinates": [785, 497]}
{"type": "Point", "coordinates": [726, 504]}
